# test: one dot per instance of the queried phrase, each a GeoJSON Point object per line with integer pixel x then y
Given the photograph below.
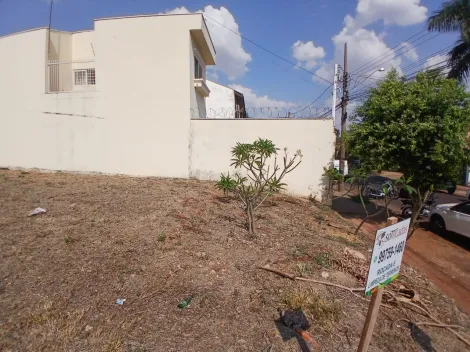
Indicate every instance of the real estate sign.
{"type": "Point", "coordinates": [387, 255]}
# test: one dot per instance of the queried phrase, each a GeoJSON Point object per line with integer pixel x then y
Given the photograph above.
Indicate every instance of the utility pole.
{"type": "Point", "coordinates": [333, 106]}
{"type": "Point", "coordinates": [344, 105]}
{"type": "Point", "coordinates": [49, 32]}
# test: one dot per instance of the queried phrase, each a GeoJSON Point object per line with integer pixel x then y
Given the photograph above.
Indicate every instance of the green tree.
{"type": "Point", "coordinates": [454, 16]}
{"type": "Point", "coordinates": [259, 174]}
{"type": "Point", "coordinates": [416, 127]}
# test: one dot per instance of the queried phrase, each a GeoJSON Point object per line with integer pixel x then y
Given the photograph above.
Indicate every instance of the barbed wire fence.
{"type": "Point", "coordinates": [270, 112]}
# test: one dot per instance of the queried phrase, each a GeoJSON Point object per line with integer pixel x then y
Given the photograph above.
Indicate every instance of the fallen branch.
{"type": "Point", "coordinates": [440, 325]}
{"type": "Point", "coordinates": [267, 268]}
{"type": "Point", "coordinates": [430, 316]}
{"type": "Point", "coordinates": [293, 277]}
{"type": "Point", "coordinates": [336, 226]}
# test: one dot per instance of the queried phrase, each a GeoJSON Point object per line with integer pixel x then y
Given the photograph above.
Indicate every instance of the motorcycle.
{"type": "Point", "coordinates": [407, 207]}
{"type": "Point", "coordinates": [374, 191]}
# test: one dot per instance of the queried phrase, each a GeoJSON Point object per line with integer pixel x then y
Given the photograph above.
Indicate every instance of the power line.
{"type": "Point", "coordinates": [387, 51]}
{"type": "Point", "coordinates": [267, 50]}
{"type": "Point", "coordinates": [394, 55]}
{"type": "Point", "coordinates": [313, 102]}
{"type": "Point", "coordinates": [424, 59]}
{"type": "Point", "coordinates": [364, 93]}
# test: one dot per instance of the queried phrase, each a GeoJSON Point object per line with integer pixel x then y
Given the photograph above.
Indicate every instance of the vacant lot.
{"type": "Point", "coordinates": [154, 242]}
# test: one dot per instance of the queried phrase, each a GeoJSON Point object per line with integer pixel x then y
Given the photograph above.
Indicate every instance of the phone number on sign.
{"type": "Point", "coordinates": [390, 251]}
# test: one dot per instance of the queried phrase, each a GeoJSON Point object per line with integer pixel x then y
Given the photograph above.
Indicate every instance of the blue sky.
{"type": "Point", "coordinates": [284, 27]}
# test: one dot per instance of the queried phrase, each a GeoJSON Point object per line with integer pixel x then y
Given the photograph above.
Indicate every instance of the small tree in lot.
{"type": "Point", "coordinates": [262, 174]}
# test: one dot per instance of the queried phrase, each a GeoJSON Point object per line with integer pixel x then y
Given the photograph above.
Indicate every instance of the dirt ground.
{"type": "Point", "coordinates": [156, 241]}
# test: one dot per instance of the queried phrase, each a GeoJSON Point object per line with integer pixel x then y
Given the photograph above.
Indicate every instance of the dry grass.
{"type": "Point", "coordinates": [154, 242]}
{"type": "Point", "coordinates": [321, 309]}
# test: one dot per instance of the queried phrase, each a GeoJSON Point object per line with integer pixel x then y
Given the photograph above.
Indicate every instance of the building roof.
{"type": "Point", "coordinates": [236, 91]}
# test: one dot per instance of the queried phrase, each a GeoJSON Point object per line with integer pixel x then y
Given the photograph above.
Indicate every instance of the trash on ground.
{"type": "Point", "coordinates": [297, 321]}
{"type": "Point", "coordinates": [324, 274]}
{"type": "Point", "coordinates": [120, 301]}
{"type": "Point", "coordinates": [185, 302]}
{"type": "Point", "coordinates": [37, 211]}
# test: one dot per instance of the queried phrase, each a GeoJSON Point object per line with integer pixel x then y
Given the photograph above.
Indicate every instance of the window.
{"type": "Point", "coordinates": [197, 69]}
{"type": "Point", "coordinates": [90, 72]}
{"type": "Point", "coordinates": [85, 77]}
{"type": "Point", "coordinates": [463, 208]}
{"type": "Point", "coordinates": [80, 77]}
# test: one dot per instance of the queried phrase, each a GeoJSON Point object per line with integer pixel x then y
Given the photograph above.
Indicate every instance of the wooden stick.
{"type": "Point", "coordinates": [267, 268]}
{"type": "Point", "coordinates": [330, 284]}
{"type": "Point", "coordinates": [439, 325]}
{"type": "Point", "coordinates": [293, 277]}
{"type": "Point", "coordinates": [371, 318]}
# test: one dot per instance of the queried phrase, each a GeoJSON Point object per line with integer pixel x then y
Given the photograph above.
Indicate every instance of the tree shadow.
{"type": "Point", "coordinates": [459, 240]}
{"type": "Point", "coordinates": [352, 210]}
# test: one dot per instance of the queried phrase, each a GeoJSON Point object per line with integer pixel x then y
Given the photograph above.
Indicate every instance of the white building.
{"type": "Point", "coordinates": [224, 102]}
{"type": "Point", "coordinates": [118, 99]}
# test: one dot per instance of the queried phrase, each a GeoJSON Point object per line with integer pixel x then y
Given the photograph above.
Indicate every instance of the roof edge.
{"type": "Point", "coordinates": [224, 86]}
{"type": "Point", "coordinates": [146, 15]}
{"type": "Point", "coordinates": [21, 32]}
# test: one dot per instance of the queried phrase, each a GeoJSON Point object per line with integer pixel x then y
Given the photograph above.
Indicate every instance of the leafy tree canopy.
{"type": "Point", "coordinates": [417, 127]}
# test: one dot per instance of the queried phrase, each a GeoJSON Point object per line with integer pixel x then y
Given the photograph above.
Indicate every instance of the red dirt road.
{"type": "Point", "coordinates": [445, 261]}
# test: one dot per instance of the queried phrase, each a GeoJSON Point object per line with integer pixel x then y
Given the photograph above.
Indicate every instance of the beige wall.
{"type": "Point", "coordinates": [83, 45]}
{"type": "Point", "coordinates": [144, 82]}
{"type": "Point", "coordinates": [211, 142]}
{"type": "Point", "coordinates": [221, 102]}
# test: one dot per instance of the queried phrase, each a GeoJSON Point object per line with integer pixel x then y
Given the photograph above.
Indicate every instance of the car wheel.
{"type": "Point", "coordinates": [406, 213]}
{"type": "Point", "coordinates": [437, 224]}
{"type": "Point", "coordinates": [452, 189]}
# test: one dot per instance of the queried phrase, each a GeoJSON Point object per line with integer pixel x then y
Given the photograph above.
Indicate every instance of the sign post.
{"type": "Point", "coordinates": [384, 268]}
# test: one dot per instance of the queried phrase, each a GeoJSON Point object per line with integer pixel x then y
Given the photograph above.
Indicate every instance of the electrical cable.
{"type": "Point", "coordinates": [368, 62]}
{"type": "Point", "coordinates": [267, 50]}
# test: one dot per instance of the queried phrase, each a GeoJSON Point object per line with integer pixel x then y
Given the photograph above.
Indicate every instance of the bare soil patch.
{"type": "Point", "coordinates": [156, 241]}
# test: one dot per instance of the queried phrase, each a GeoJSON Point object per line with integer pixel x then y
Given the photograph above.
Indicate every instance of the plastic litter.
{"type": "Point", "coordinates": [185, 302]}
{"type": "Point", "coordinates": [37, 211]}
{"type": "Point", "coordinates": [120, 301]}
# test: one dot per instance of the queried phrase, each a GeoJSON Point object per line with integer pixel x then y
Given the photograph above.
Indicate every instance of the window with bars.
{"type": "Point", "coordinates": [85, 77]}
{"type": "Point", "coordinates": [197, 69]}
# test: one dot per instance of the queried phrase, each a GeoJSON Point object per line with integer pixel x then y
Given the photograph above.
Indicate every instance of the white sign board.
{"type": "Point", "coordinates": [387, 254]}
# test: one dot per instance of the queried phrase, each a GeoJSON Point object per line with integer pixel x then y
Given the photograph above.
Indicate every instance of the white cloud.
{"type": "Point", "coordinates": [399, 12]}
{"type": "Point", "coordinates": [252, 100]}
{"type": "Point", "coordinates": [409, 51]}
{"type": "Point", "coordinates": [365, 45]}
{"type": "Point", "coordinates": [307, 54]}
{"type": "Point", "coordinates": [231, 57]}
{"type": "Point", "coordinates": [436, 62]}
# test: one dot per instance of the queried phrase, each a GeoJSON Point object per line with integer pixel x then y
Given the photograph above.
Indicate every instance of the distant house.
{"type": "Point", "coordinates": [224, 102]}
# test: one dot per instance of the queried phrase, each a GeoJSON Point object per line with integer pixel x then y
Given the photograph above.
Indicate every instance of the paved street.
{"type": "Point", "coordinates": [444, 260]}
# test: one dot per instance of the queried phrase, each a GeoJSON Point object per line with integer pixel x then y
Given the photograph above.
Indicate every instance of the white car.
{"type": "Point", "coordinates": [453, 217]}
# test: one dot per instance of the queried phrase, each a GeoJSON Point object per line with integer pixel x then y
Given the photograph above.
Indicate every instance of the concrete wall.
{"type": "Point", "coordinates": [83, 45]}
{"type": "Point", "coordinates": [221, 102]}
{"type": "Point", "coordinates": [212, 140]}
{"type": "Point", "coordinates": [144, 82]}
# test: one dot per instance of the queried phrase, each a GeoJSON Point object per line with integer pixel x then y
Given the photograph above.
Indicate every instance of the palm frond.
{"type": "Point", "coordinates": [454, 15]}
{"type": "Point", "coordinates": [459, 61]}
